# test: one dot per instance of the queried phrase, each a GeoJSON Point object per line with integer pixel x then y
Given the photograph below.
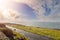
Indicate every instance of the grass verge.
{"type": "Point", "coordinates": [19, 36]}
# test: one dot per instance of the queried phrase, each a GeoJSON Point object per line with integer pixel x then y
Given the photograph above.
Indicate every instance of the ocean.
{"type": "Point", "coordinates": [53, 25]}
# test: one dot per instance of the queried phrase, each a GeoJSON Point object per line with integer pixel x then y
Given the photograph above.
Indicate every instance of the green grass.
{"type": "Point", "coordinates": [20, 36]}
{"type": "Point", "coordinates": [51, 33]}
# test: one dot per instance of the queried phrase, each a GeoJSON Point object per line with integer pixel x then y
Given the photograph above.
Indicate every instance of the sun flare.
{"type": "Point", "coordinates": [3, 4]}
{"type": "Point", "coordinates": [4, 9]}
{"type": "Point", "coordinates": [6, 14]}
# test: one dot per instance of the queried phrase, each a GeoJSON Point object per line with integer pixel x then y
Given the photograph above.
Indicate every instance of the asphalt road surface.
{"type": "Point", "coordinates": [31, 36]}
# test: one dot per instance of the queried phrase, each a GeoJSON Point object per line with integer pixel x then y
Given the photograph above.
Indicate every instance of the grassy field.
{"type": "Point", "coordinates": [51, 33]}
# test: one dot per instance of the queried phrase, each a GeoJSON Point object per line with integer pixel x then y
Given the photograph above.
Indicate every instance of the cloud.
{"type": "Point", "coordinates": [12, 17]}
{"type": "Point", "coordinates": [36, 5]}
{"type": "Point", "coordinates": [46, 10]}
{"type": "Point", "coordinates": [15, 16]}
{"type": "Point", "coordinates": [1, 16]}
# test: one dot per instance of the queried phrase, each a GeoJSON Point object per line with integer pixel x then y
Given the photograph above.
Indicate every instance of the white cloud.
{"type": "Point", "coordinates": [36, 4]}
{"type": "Point", "coordinates": [12, 17]}
{"type": "Point", "coordinates": [15, 16]}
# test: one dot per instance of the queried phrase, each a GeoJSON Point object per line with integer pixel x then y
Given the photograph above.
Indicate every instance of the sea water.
{"type": "Point", "coordinates": [55, 25]}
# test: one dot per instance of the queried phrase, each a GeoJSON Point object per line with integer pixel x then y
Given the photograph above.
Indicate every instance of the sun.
{"type": "Point", "coordinates": [3, 4]}
{"type": "Point", "coordinates": [4, 9]}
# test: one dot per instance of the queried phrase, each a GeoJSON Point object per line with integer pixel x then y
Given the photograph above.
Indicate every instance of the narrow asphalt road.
{"type": "Point", "coordinates": [31, 36]}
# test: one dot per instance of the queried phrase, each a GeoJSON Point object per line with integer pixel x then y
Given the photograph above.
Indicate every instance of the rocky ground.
{"type": "Point", "coordinates": [3, 36]}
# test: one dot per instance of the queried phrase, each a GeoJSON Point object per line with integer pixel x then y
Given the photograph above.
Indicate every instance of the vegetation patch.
{"type": "Point", "coordinates": [19, 36]}
{"type": "Point", "coordinates": [51, 33]}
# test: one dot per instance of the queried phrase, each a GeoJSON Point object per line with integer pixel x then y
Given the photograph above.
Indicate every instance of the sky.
{"type": "Point", "coordinates": [30, 11]}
